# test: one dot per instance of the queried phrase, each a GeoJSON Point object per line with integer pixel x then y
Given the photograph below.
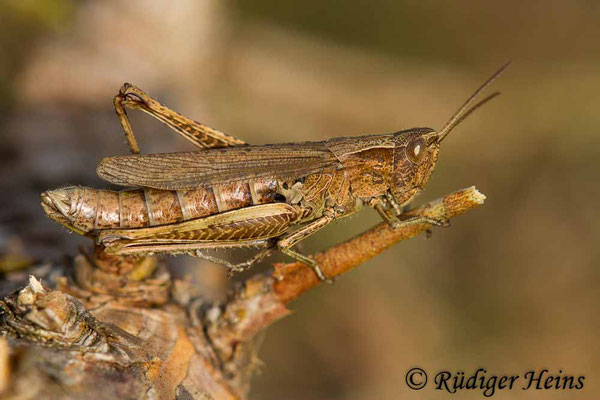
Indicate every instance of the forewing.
{"type": "Point", "coordinates": [175, 171]}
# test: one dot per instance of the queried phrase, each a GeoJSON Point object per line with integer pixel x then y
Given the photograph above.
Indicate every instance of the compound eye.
{"type": "Point", "coordinates": [415, 150]}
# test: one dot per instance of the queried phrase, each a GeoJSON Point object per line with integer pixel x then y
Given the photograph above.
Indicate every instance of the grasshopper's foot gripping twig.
{"type": "Point", "coordinates": [286, 242]}
{"type": "Point", "coordinates": [397, 221]}
{"type": "Point", "coordinates": [308, 261]}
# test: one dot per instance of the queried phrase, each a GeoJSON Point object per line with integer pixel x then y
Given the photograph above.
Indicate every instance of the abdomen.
{"type": "Point", "coordinates": [90, 209]}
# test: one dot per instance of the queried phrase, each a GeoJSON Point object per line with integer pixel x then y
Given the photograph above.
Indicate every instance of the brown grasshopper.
{"type": "Point", "coordinates": [232, 195]}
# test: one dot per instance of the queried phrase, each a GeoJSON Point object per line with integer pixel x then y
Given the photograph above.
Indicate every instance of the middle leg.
{"type": "Point", "coordinates": [286, 242]}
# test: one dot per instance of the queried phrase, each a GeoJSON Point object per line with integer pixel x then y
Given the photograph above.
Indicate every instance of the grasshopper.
{"type": "Point", "coordinates": [229, 194]}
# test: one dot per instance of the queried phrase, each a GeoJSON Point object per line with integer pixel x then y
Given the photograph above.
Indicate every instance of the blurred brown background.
{"type": "Point", "coordinates": [511, 286]}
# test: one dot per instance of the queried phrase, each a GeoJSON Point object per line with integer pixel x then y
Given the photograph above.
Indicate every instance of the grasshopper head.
{"type": "Point", "coordinates": [416, 150]}
{"type": "Point", "coordinates": [415, 154]}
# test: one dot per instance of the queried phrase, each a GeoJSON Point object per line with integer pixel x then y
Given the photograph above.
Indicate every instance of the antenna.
{"type": "Point", "coordinates": [464, 111]}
